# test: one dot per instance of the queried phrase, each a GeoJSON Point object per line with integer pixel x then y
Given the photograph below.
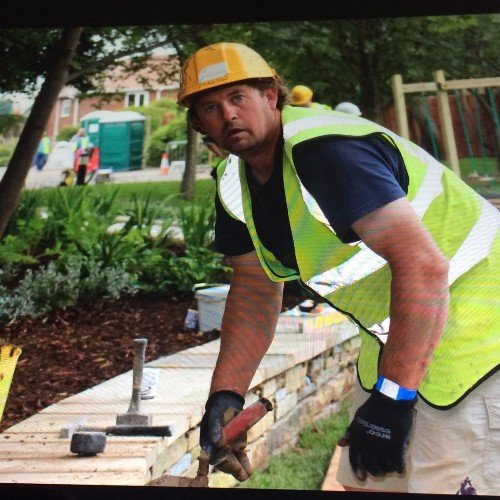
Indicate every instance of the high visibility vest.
{"type": "Point", "coordinates": [317, 105]}
{"type": "Point", "coordinates": [45, 145]}
{"type": "Point", "coordinates": [356, 281]}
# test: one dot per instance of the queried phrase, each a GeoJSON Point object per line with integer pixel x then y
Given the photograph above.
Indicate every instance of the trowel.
{"type": "Point", "coordinates": [231, 431]}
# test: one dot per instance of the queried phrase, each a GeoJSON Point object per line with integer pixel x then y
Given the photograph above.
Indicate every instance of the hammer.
{"type": "Point", "coordinates": [133, 415]}
{"type": "Point", "coordinates": [89, 441]}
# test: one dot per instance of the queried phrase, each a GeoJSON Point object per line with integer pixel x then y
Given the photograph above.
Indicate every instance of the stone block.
{"type": "Point", "coordinates": [331, 391]}
{"type": "Point", "coordinates": [327, 375]}
{"type": "Point", "coordinates": [221, 480]}
{"type": "Point", "coordinates": [269, 388]}
{"type": "Point", "coordinates": [332, 360]}
{"type": "Point", "coordinates": [250, 398]}
{"type": "Point", "coordinates": [169, 456]}
{"type": "Point", "coordinates": [193, 438]}
{"type": "Point", "coordinates": [260, 427]}
{"type": "Point", "coordinates": [306, 391]}
{"type": "Point", "coordinates": [258, 454]}
{"type": "Point", "coordinates": [315, 366]}
{"type": "Point", "coordinates": [295, 378]}
{"type": "Point", "coordinates": [327, 411]}
{"type": "Point", "coordinates": [181, 466]}
{"type": "Point", "coordinates": [284, 406]}
{"type": "Point", "coordinates": [283, 431]}
{"type": "Point", "coordinates": [195, 452]}
{"type": "Point", "coordinates": [192, 470]}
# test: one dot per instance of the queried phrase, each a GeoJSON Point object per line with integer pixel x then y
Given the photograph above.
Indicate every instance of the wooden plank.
{"type": "Point", "coordinates": [400, 105]}
{"type": "Point", "coordinates": [74, 464]}
{"type": "Point", "coordinates": [148, 451]}
{"type": "Point", "coordinates": [446, 123]}
{"type": "Point", "coordinates": [127, 478]}
{"type": "Point", "coordinates": [411, 88]}
{"type": "Point", "coordinates": [471, 83]}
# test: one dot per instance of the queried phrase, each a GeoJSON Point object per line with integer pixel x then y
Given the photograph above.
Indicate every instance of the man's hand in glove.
{"type": "Point", "coordinates": [220, 408]}
{"type": "Point", "coordinates": [379, 435]}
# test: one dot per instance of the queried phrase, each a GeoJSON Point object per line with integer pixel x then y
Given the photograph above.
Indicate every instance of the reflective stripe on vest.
{"type": "Point", "coordinates": [464, 225]}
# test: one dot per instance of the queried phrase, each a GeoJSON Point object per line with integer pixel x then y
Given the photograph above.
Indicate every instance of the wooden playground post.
{"type": "Point", "coordinates": [446, 123]}
{"type": "Point", "coordinates": [400, 105]}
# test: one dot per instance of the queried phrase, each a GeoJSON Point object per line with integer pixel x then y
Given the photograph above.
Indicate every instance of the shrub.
{"type": "Point", "coordinates": [175, 130]}
{"type": "Point", "coordinates": [67, 132]}
{"type": "Point", "coordinates": [6, 151]}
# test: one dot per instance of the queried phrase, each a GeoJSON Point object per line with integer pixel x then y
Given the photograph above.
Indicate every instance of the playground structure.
{"type": "Point", "coordinates": [471, 124]}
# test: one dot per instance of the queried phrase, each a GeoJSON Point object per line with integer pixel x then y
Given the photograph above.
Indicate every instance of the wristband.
{"type": "Point", "coordinates": [393, 390]}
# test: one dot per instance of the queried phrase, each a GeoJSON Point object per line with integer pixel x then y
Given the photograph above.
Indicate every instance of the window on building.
{"type": "Point", "coordinates": [136, 99]}
{"type": "Point", "coordinates": [65, 107]}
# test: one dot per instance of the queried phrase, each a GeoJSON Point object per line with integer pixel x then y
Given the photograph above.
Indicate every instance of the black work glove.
{"type": "Point", "coordinates": [232, 459]}
{"type": "Point", "coordinates": [379, 435]}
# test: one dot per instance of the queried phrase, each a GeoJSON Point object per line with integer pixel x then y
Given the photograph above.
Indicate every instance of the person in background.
{"type": "Point", "coordinates": [80, 144]}
{"type": "Point", "coordinates": [349, 108]}
{"type": "Point", "coordinates": [42, 152]}
{"type": "Point", "coordinates": [302, 97]}
{"type": "Point", "coordinates": [382, 232]}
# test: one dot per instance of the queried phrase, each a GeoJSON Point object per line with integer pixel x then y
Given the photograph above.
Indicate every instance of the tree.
{"type": "Point", "coordinates": [13, 180]}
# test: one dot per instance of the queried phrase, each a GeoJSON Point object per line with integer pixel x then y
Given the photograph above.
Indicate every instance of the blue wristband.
{"type": "Point", "coordinates": [393, 390]}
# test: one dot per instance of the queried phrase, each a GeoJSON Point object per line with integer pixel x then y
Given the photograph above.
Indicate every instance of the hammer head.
{"type": "Point", "coordinates": [88, 444]}
{"type": "Point", "coordinates": [135, 419]}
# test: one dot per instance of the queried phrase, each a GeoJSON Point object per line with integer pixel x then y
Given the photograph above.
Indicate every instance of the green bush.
{"type": "Point", "coordinates": [6, 151]}
{"type": "Point", "coordinates": [67, 132]}
{"type": "Point", "coordinates": [175, 130]}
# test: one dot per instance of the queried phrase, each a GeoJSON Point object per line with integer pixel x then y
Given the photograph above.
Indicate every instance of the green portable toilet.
{"type": "Point", "coordinates": [121, 140]}
{"type": "Point", "coordinates": [90, 122]}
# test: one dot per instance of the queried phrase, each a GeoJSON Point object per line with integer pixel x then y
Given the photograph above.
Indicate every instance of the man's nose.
{"type": "Point", "coordinates": [229, 111]}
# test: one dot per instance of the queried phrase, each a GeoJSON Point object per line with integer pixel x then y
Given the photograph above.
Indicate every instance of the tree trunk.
{"type": "Point", "coordinates": [19, 165]}
{"type": "Point", "coordinates": [189, 177]}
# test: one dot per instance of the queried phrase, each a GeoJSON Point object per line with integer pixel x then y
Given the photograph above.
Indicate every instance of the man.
{"type": "Point", "coordinates": [377, 228]}
{"type": "Point", "coordinates": [80, 144]}
{"type": "Point", "coordinates": [42, 152]}
{"type": "Point", "coordinates": [302, 96]}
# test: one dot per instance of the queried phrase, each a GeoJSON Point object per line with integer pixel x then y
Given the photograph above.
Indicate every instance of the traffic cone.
{"type": "Point", "coordinates": [165, 164]}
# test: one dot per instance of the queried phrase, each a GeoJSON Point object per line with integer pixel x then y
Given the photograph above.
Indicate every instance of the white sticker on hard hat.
{"type": "Point", "coordinates": [212, 72]}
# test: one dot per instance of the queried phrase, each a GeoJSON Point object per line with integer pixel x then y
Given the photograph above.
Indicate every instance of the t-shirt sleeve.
{"type": "Point", "coordinates": [231, 235]}
{"type": "Point", "coordinates": [350, 178]}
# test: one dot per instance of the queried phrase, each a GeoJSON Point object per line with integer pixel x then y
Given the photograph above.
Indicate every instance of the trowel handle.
{"type": "Point", "coordinates": [246, 419]}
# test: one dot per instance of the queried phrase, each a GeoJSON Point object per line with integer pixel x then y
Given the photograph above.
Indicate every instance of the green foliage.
{"type": "Point", "coordinates": [197, 221]}
{"type": "Point", "coordinates": [304, 466]}
{"type": "Point", "coordinates": [61, 284]}
{"type": "Point", "coordinates": [175, 130]}
{"type": "Point", "coordinates": [6, 151]}
{"type": "Point", "coordinates": [8, 123]}
{"type": "Point", "coordinates": [158, 111]}
{"type": "Point", "coordinates": [67, 132]}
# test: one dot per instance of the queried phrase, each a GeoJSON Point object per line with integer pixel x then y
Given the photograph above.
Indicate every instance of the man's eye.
{"type": "Point", "coordinates": [237, 97]}
{"type": "Point", "coordinates": [209, 108]}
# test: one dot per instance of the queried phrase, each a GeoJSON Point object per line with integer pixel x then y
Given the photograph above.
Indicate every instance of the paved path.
{"type": "Point", "coordinates": [52, 177]}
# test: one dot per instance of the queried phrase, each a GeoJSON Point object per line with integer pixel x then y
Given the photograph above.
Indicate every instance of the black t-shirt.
{"type": "Point", "coordinates": [348, 178]}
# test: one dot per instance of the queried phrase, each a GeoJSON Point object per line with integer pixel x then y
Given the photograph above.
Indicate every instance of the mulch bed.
{"type": "Point", "coordinates": [74, 349]}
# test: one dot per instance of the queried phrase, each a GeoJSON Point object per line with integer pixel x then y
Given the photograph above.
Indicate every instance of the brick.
{"type": "Point", "coordinates": [269, 388]}
{"type": "Point", "coordinates": [295, 378]}
{"type": "Point", "coordinates": [332, 360]}
{"type": "Point", "coordinates": [285, 405]}
{"type": "Point", "coordinates": [168, 457]}
{"type": "Point", "coordinates": [260, 427]}
{"type": "Point", "coordinates": [331, 391]}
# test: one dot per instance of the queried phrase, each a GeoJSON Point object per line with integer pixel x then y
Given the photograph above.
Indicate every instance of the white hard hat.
{"type": "Point", "coordinates": [348, 107]}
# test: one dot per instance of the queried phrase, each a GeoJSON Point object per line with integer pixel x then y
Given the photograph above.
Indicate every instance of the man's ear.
{"type": "Point", "coordinates": [195, 123]}
{"type": "Point", "coordinates": [272, 97]}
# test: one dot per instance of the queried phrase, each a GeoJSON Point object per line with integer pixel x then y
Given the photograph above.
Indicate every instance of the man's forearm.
{"type": "Point", "coordinates": [419, 309]}
{"type": "Point", "coordinates": [250, 317]}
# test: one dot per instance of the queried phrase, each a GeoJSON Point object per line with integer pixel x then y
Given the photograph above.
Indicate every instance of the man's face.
{"type": "Point", "coordinates": [238, 117]}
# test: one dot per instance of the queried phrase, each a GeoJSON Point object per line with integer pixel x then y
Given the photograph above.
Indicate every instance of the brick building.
{"type": "Point", "coordinates": [118, 91]}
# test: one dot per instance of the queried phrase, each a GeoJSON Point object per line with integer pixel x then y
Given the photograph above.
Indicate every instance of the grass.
{"type": "Point", "coordinates": [304, 466]}
{"type": "Point", "coordinates": [159, 192]}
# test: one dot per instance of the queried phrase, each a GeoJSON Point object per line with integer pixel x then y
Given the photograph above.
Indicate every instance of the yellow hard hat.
{"type": "Point", "coordinates": [301, 94]}
{"type": "Point", "coordinates": [220, 64]}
